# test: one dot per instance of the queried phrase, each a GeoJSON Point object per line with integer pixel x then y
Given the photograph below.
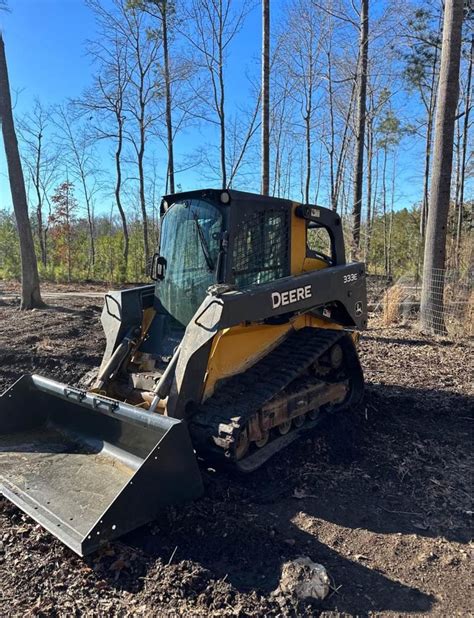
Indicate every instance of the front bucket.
{"type": "Point", "coordinates": [88, 468]}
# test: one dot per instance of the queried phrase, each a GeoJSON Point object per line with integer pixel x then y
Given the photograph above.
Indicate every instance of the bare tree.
{"type": "Point", "coordinates": [82, 165]}
{"type": "Point", "coordinates": [337, 144]}
{"type": "Point", "coordinates": [432, 305]}
{"type": "Point", "coordinates": [31, 295]}
{"type": "Point", "coordinates": [361, 81]}
{"type": "Point", "coordinates": [214, 24]}
{"type": "Point", "coordinates": [241, 130]}
{"type": "Point", "coordinates": [162, 11]}
{"type": "Point", "coordinates": [265, 97]}
{"type": "Point", "coordinates": [105, 101]}
{"type": "Point", "coordinates": [376, 107]}
{"type": "Point", "coordinates": [141, 97]}
{"type": "Point", "coordinates": [41, 159]}
{"type": "Point", "coordinates": [422, 38]}
{"type": "Point", "coordinates": [299, 58]}
{"type": "Point", "coordinates": [464, 148]}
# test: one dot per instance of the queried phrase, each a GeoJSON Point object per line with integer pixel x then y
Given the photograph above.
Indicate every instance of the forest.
{"type": "Point", "coordinates": [351, 100]}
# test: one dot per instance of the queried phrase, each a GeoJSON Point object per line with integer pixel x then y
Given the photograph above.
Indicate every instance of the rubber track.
{"type": "Point", "coordinates": [216, 424]}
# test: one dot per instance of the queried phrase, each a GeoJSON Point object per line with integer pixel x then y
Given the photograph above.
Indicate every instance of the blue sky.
{"type": "Point", "coordinates": [45, 46]}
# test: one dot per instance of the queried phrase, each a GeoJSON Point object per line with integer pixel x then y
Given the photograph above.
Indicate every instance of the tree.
{"type": "Point", "coordinates": [375, 108]}
{"type": "Point", "coordinates": [106, 101]}
{"type": "Point", "coordinates": [390, 132]}
{"type": "Point", "coordinates": [265, 97]}
{"type": "Point", "coordinates": [337, 152]}
{"type": "Point", "coordinates": [62, 219]}
{"type": "Point", "coordinates": [82, 165]}
{"type": "Point", "coordinates": [421, 73]}
{"type": "Point", "coordinates": [432, 316]}
{"type": "Point", "coordinates": [163, 11]}
{"type": "Point", "coordinates": [214, 25]}
{"type": "Point", "coordinates": [141, 94]}
{"type": "Point", "coordinates": [360, 124]}
{"type": "Point", "coordinates": [464, 147]}
{"type": "Point", "coordinates": [30, 294]}
{"type": "Point", "coordinates": [300, 58]}
{"type": "Point", "coordinates": [41, 161]}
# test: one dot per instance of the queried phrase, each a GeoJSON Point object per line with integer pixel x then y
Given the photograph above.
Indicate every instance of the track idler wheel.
{"type": "Point", "coordinates": [298, 421]}
{"type": "Point", "coordinates": [313, 415]}
{"type": "Point", "coordinates": [263, 440]}
{"type": "Point", "coordinates": [284, 428]}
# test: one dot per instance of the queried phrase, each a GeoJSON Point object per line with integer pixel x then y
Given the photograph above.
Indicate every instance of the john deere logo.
{"type": "Point", "coordinates": [359, 308]}
{"type": "Point", "coordinates": [280, 299]}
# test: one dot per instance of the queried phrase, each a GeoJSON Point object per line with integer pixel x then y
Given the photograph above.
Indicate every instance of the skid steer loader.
{"type": "Point", "coordinates": [244, 341]}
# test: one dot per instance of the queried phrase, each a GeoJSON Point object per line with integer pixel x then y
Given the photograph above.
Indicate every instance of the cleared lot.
{"type": "Point", "coordinates": [391, 523]}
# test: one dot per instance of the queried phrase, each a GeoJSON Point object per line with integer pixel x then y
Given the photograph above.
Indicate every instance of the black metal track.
{"type": "Point", "coordinates": [215, 425]}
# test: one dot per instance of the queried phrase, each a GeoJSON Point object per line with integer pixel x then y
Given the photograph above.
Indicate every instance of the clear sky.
{"type": "Point", "coordinates": [45, 46]}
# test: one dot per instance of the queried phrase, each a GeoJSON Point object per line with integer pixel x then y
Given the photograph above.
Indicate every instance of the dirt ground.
{"type": "Point", "coordinates": [391, 525]}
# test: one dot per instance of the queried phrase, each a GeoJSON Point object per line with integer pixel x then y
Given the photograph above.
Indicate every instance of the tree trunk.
{"type": "Point", "coordinates": [118, 192]}
{"type": "Point", "coordinates": [343, 150]}
{"type": "Point", "coordinates": [169, 118]}
{"type": "Point", "coordinates": [390, 230]}
{"type": "Point", "coordinates": [90, 224]}
{"type": "Point", "coordinates": [429, 139]}
{"type": "Point", "coordinates": [140, 162]}
{"type": "Point", "coordinates": [464, 152]}
{"type": "Point", "coordinates": [384, 210]}
{"type": "Point", "coordinates": [426, 175]}
{"type": "Point", "coordinates": [30, 295]}
{"type": "Point", "coordinates": [265, 97]}
{"type": "Point", "coordinates": [360, 125]}
{"type": "Point", "coordinates": [432, 306]}
{"type": "Point", "coordinates": [308, 152]}
{"type": "Point", "coordinates": [39, 197]}
{"type": "Point", "coordinates": [222, 98]}
{"type": "Point", "coordinates": [370, 155]}
{"type": "Point", "coordinates": [332, 130]}
{"type": "Point", "coordinates": [68, 234]}
{"type": "Point", "coordinates": [308, 118]}
{"type": "Point", "coordinates": [141, 175]}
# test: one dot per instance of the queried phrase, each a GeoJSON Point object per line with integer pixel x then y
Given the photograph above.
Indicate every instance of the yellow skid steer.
{"type": "Point", "coordinates": [243, 343]}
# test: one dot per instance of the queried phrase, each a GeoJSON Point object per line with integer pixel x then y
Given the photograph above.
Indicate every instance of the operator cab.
{"type": "Point", "coordinates": [237, 238]}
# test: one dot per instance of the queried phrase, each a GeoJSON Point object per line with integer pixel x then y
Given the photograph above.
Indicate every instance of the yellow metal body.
{"type": "Point", "coordinates": [237, 348]}
{"type": "Point", "coordinates": [300, 263]}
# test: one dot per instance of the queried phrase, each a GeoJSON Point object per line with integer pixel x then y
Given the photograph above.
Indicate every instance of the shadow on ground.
{"type": "Point", "coordinates": [244, 528]}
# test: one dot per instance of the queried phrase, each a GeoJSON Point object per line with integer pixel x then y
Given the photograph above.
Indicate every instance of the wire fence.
{"type": "Point", "coordinates": [450, 312]}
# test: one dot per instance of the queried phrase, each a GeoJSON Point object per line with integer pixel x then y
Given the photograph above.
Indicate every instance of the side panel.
{"type": "Point", "coordinates": [342, 288]}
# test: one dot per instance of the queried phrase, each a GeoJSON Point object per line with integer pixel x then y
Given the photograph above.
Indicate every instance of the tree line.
{"type": "Point", "coordinates": [346, 90]}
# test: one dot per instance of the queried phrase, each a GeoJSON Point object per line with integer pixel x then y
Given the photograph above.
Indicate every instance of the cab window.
{"type": "Point", "coordinates": [319, 243]}
{"type": "Point", "coordinates": [260, 252]}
